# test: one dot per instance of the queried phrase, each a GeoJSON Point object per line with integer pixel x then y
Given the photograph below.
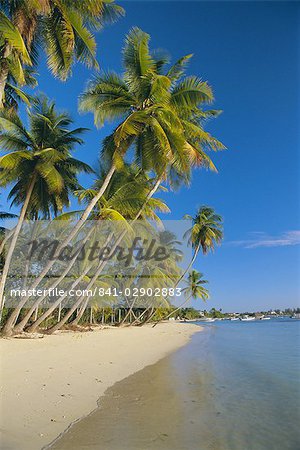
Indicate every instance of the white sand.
{"type": "Point", "coordinates": [46, 384]}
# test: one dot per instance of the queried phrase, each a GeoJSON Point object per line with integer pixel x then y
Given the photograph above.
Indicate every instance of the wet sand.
{"type": "Point", "coordinates": [46, 384]}
{"type": "Point", "coordinates": [154, 409]}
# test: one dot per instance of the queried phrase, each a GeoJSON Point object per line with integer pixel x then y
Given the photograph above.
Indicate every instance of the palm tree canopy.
{"type": "Point", "coordinates": [64, 28]}
{"type": "Point", "coordinates": [124, 198]}
{"type": "Point", "coordinates": [43, 152]}
{"type": "Point", "coordinates": [195, 286]}
{"type": "Point", "coordinates": [206, 230]}
{"type": "Point", "coordinates": [160, 110]}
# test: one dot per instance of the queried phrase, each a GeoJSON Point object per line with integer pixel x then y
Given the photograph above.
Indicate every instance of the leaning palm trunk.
{"type": "Point", "coordinates": [153, 312]}
{"type": "Point", "coordinates": [181, 278]}
{"type": "Point", "coordinates": [3, 81]}
{"type": "Point", "coordinates": [173, 312]}
{"type": "Point", "coordinates": [138, 319]}
{"type": "Point", "coordinates": [149, 315]}
{"type": "Point", "coordinates": [20, 327]}
{"type": "Point", "coordinates": [58, 302]}
{"type": "Point", "coordinates": [4, 70]}
{"type": "Point", "coordinates": [100, 268]}
{"type": "Point", "coordinates": [79, 224]}
{"type": "Point", "coordinates": [49, 311]}
{"type": "Point", "coordinates": [128, 312]}
{"type": "Point", "coordinates": [85, 304]}
{"type": "Point", "coordinates": [7, 330]}
{"type": "Point", "coordinates": [13, 317]}
{"type": "Point", "coordinates": [7, 237]}
{"type": "Point", "coordinates": [189, 266]}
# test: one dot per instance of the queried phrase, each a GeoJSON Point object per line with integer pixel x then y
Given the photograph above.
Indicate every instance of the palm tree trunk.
{"type": "Point", "coordinates": [173, 312]}
{"type": "Point", "coordinates": [189, 266]}
{"type": "Point", "coordinates": [59, 300]}
{"type": "Point", "coordinates": [7, 237]}
{"type": "Point", "coordinates": [20, 327]}
{"type": "Point", "coordinates": [182, 276]}
{"type": "Point", "coordinates": [94, 279]}
{"type": "Point", "coordinates": [59, 313]}
{"type": "Point", "coordinates": [138, 319]}
{"type": "Point", "coordinates": [79, 224]}
{"type": "Point", "coordinates": [129, 311]}
{"type": "Point", "coordinates": [7, 330]}
{"type": "Point", "coordinates": [150, 316]}
{"type": "Point", "coordinates": [36, 313]}
{"type": "Point", "coordinates": [3, 81]}
{"type": "Point", "coordinates": [49, 311]}
{"type": "Point", "coordinates": [80, 313]}
{"type": "Point", "coordinates": [4, 74]}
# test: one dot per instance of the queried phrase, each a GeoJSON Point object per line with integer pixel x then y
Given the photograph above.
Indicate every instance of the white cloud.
{"type": "Point", "coordinates": [261, 239]}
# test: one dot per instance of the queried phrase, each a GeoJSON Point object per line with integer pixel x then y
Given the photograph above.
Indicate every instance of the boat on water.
{"type": "Point", "coordinates": [247, 318]}
{"type": "Point", "coordinates": [265, 318]}
{"type": "Point", "coordinates": [234, 318]}
{"type": "Point", "coordinates": [210, 320]}
{"type": "Point", "coordinates": [295, 316]}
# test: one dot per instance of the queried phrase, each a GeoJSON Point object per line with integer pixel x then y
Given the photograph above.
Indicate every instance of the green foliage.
{"type": "Point", "coordinates": [195, 288]}
{"type": "Point", "coordinates": [161, 114]}
{"type": "Point", "coordinates": [43, 153]}
{"type": "Point", "coordinates": [206, 231]}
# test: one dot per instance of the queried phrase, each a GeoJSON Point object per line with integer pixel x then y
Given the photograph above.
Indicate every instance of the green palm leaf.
{"type": "Point", "coordinates": [11, 34]}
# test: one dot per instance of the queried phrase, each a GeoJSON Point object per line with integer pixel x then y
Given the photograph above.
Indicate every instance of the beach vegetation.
{"type": "Point", "coordinates": [158, 138]}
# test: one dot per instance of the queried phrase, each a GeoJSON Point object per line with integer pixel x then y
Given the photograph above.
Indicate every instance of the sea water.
{"type": "Point", "coordinates": [235, 386]}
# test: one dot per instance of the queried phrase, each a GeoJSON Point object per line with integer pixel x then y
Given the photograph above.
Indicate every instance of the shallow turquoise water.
{"type": "Point", "coordinates": [234, 386]}
{"type": "Point", "coordinates": [253, 376]}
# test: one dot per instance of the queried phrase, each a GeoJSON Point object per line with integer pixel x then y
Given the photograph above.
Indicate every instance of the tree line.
{"type": "Point", "coordinates": [159, 138]}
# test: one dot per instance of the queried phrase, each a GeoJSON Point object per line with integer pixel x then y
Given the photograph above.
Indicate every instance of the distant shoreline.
{"type": "Point", "coordinates": [47, 384]}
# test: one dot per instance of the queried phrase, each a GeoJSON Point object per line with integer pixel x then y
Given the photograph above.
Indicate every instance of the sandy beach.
{"type": "Point", "coordinates": [47, 384]}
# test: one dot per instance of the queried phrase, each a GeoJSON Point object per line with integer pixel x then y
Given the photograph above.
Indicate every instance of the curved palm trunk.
{"type": "Point", "coordinates": [7, 237]}
{"type": "Point", "coordinates": [150, 317]}
{"type": "Point", "coordinates": [60, 299]}
{"type": "Point", "coordinates": [128, 312]}
{"type": "Point", "coordinates": [150, 314]}
{"type": "Point", "coordinates": [66, 317]}
{"type": "Point", "coordinates": [173, 312]}
{"type": "Point", "coordinates": [20, 326]}
{"type": "Point", "coordinates": [4, 74]}
{"type": "Point", "coordinates": [189, 266]}
{"type": "Point", "coordinates": [94, 279]}
{"type": "Point", "coordinates": [181, 278]}
{"type": "Point", "coordinates": [49, 311]}
{"type": "Point", "coordinates": [3, 81]}
{"type": "Point", "coordinates": [7, 329]}
{"type": "Point", "coordinates": [79, 224]}
{"type": "Point", "coordinates": [80, 314]}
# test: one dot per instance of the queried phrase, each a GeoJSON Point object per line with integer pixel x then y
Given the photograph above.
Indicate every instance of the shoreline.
{"type": "Point", "coordinates": [49, 384]}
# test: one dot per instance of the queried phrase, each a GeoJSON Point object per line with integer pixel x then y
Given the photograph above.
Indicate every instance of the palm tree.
{"type": "Point", "coordinates": [40, 164]}
{"type": "Point", "coordinates": [143, 207]}
{"type": "Point", "coordinates": [63, 28]}
{"type": "Point", "coordinates": [162, 118]}
{"type": "Point", "coordinates": [124, 198]}
{"type": "Point", "coordinates": [13, 53]}
{"type": "Point", "coordinates": [194, 289]}
{"type": "Point", "coordinates": [205, 233]}
{"type": "Point", "coordinates": [161, 114]}
{"type": "Point", "coordinates": [13, 94]}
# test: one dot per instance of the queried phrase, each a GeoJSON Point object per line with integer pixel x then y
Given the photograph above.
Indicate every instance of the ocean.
{"type": "Point", "coordinates": [234, 386]}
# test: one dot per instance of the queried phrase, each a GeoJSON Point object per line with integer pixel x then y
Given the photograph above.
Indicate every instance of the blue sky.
{"type": "Point", "coordinates": [249, 53]}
